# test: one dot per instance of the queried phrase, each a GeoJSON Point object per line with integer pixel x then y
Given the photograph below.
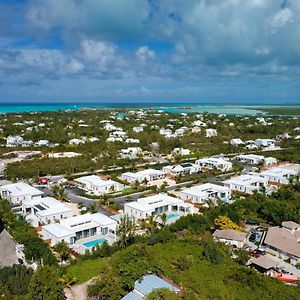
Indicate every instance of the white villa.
{"type": "Point", "coordinates": [265, 143]}
{"type": "Point", "coordinates": [203, 192]}
{"type": "Point", "coordinates": [42, 211]}
{"type": "Point", "coordinates": [253, 159]}
{"type": "Point", "coordinates": [145, 175]}
{"type": "Point", "coordinates": [157, 205]}
{"type": "Point", "coordinates": [209, 132]}
{"type": "Point", "coordinates": [182, 169]}
{"type": "Point", "coordinates": [181, 151]}
{"type": "Point", "coordinates": [95, 185]}
{"type": "Point", "coordinates": [131, 152]}
{"type": "Point", "coordinates": [14, 141]}
{"type": "Point", "coordinates": [80, 227]}
{"type": "Point", "coordinates": [281, 174]}
{"type": "Point", "coordinates": [18, 192]}
{"type": "Point", "coordinates": [220, 164]}
{"type": "Point", "coordinates": [246, 183]}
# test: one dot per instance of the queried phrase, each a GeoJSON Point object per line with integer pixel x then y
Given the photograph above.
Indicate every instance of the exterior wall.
{"type": "Point", "coordinates": [54, 240]}
{"type": "Point", "coordinates": [54, 218]}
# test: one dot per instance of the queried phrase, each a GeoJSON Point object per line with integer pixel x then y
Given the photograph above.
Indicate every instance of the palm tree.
{"type": "Point", "coordinates": [125, 231]}
{"type": "Point", "coordinates": [59, 192]}
{"type": "Point", "coordinates": [62, 250]}
{"type": "Point", "coordinates": [164, 218]}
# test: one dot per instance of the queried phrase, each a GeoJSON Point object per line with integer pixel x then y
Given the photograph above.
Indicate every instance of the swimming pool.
{"type": "Point", "coordinates": [94, 243]}
{"type": "Point", "coordinates": [172, 216]}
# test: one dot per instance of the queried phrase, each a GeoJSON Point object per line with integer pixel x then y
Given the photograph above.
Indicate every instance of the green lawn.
{"type": "Point", "coordinates": [84, 270]}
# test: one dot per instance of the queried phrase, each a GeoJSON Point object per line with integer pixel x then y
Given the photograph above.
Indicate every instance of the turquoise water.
{"type": "Point", "coordinates": [172, 216]}
{"type": "Point", "coordinates": [94, 243]}
{"type": "Point", "coordinates": [170, 107]}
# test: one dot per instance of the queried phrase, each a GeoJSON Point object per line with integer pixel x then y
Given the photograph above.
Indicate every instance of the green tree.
{"type": "Point", "coordinates": [162, 294]}
{"type": "Point", "coordinates": [45, 285]}
{"type": "Point", "coordinates": [63, 251]}
{"type": "Point", "coordinates": [59, 192]}
{"type": "Point", "coordinates": [125, 231]}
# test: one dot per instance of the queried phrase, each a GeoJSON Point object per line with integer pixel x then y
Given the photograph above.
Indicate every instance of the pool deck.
{"type": "Point", "coordinates": [80, 248]}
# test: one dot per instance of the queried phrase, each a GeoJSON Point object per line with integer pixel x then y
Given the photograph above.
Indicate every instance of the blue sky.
{"type": "Point", "coordinates": [229, 51]}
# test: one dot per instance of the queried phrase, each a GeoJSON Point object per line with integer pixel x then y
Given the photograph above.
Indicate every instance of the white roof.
{"type": "Point", "coordinates": [251, 156]}
{"type": "Point", "coordinates": [152, 202]}
{"type": "Point", "coordinates": [144, 173]}
{"type": "Point", "coordinates": [58, 230]}
{"type": "Point", "coordinates": [95, 180]}
{"type": "Point", "coordinates": [204, 189]}
{"type": "Point", "coordinates": [247, 179]}
{"type": "Point", "coordinates": [21, 188]}
{"type": "Point", "coordinates": [214, 160]}
{"type": "Point", "coordinates": [277, 172]}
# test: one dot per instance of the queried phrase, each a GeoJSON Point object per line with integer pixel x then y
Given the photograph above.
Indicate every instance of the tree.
{"type": "Point", "coordinates": [125, 231]}
{"type": "Point", "coordinates": [45, 285]}
{"type": "Point", "coordinates": [223, 222]}
{"type": "Point", "coordinates": [163, 218]}
{"type": "Point", "coordinates": [4, 292]}
{"type": "Point", "coordinates": [162, 294]}
{"type": "Point", "coordinates": [62, 250]}
{"type": "Point", "coordinates": [59, 192]}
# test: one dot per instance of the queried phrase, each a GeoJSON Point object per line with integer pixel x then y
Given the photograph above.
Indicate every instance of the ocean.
{"type": "Point", "coordinates": [169, 107]}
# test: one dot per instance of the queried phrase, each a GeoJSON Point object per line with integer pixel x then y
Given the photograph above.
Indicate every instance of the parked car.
{"type": "Point", "coordinates": [254, 254]}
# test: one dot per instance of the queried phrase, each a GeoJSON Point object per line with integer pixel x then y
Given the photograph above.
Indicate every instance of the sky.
{"type": "Point", "coordinates": [204, 51]}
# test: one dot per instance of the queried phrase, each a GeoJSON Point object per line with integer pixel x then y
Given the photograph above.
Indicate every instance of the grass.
{"type": "Point", "coordinates": [87, 269]}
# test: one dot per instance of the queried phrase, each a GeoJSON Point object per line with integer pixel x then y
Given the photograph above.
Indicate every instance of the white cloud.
{"type": "Point", "coordinates": [144, 53]}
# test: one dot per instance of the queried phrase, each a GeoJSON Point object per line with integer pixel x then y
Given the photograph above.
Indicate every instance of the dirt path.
{"type": "Point", "coordinates": [78, 292]}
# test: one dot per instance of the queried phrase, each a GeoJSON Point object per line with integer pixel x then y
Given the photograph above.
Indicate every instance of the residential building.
{"type": "Point", "coordinates": [236, 142]}
{"type": "Point", "coordinates": [217, 163]}
{"type": "Point", "coordinates": [284, 241]}
{"type": "Point", "coordinates": [131, 152]}
{"type": "Point", "coordinates": [157, 205]}
{"type": "Point", "coordinates": [42, 211]}
{"type": "Point", "coordinates": [231, 237]}
{"type": "Point", "coordinates": [246, 183]}
{"type": "Point", "coordinates": [141, 176]}
{"type": "Point", "coordinates": [148, 284]}
{"type": "Point", "coordinates": [181, 151]}
{"type": "Point", "coordinates": [278, 175]}
{"type": "Point", "coordinates": [182, 169]}
{"type": "Point", "coordinates": [210, 132]}
{"type": "Point", "coordinates": [205, 192]}
{"type": "Point", "coordinates": [76, 228]}
{"type": "Point", "coordinates": [265, 143]}
{"type": "Point", "coordinates": [95, 185]}
{"type": "Point", "coordinates": [18, 192]}
{"type": "Point", "coordinates": [76, 142]}
{"type": "Point", "coordinates": [14, 141]}
{"type": "Point", "coordinates": [138, 129]}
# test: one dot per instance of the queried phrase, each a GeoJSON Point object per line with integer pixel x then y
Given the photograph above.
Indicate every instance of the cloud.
{"type": "Point", "coordinates": [144, 53]}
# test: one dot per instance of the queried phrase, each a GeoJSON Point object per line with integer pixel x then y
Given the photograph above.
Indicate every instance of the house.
{"type": "Point", "coordinates": [210, 132]}
{"type": "Point", "coordinates": [142, 176]}
{"type": "Point", "coordinates": [76, 228]}
{"type": "Point", "coordinates": [138, 129]}
{"type": "Point", "coordinates": [278, 175]}
{"type": "Point", "coordinates": [204, 192]}
{"type": "Point", "coordinates": [182, 169]}
{"type": "Point", "coordinates": [217, 163]}
{"type": "Point", "coordinates": [148, 284]}
{"type": "Point", "coordinates": [265, 143]}
{"type": "Point", "coordinates": [131, 152]}
{"type": "Point", "coordinates": [246, 183]}
{"type": "Point", "coordinates": [18, 192]}
{"type": "Point", "coordinates": [157, 205]}
{"type": "Point", "coordinates": [41, 143]}
{"type": "Point", "coordinates": [231, 237]}
{"type": "Point", "coordinates": [14, 141]}
{"type": "Point", "coordinates": [181, 151]}
{"type": "Point", "coordinates": [236, 142]}
{"type": "Point", "coordinates": [196, 129]}
{"type": "Point", "coordinates": [263, 264]}
{"type": "Point", "coordinates": [132, 141]}
{"type": "Point", "coordinates": [284, 241]}
{"type": "Point", "coordinates": [253, 159]}
{"type": "Point", "coordinates": [76, 142]}
{"type": "Point", "coordinates": [41, 211]}
{"type": "Point", "coordinates": [95, 185]}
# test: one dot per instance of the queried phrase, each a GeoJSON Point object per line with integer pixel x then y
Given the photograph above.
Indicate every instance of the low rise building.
{"type": "Point", "coordinates": [95, 185]}
{"type": "Point", "coordinates": [284, 241]}
{"type": "Point", "coordinates": [142, 176]}
{"type": "Point", "coordinates": [157, 205]}
{"type": "Point", "coordinates": [246, 183]}
{"type": "Point", "coordinates": [211, 132]}
{"type": "Point", "coordinates": [278, 175]}
{"type": "Point", "coordinates": [217, 163]}
{"type": "Point", "coordinates": [18, 192]}
{"type": "Point", "coordinates": [265, 143]}
{"type": "Point", "coordinates": [231, 237]}
{"type": "Point", "coordinates": [205, 192]}
{"type": "Point", "coordinates": [182, 169]}
{"type": "Point", "coordinates": [131, 152]}
{"type": "Point", "coordinates": [74, 229]}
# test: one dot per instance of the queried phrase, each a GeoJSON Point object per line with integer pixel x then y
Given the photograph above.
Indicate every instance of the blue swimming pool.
{"type": "Point", "coordinates": [172, 216]}
{"type": "Point", "coordinates": [94, 243]}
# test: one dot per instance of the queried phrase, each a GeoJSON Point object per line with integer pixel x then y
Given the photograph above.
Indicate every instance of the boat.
{"type": "Point", "coordinates": [285, 277]}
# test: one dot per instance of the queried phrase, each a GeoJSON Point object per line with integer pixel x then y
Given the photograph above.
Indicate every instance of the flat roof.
{"type": "Point", "coordinates": [58, 230]}
{"type": "Point", "coordinates": [203, 189]}
{"type": "Point", "coordinates": [230, 234]}
{"type": "Point", "coordinates": [95, 180]}
{"type": "Point", "coordinates": [21, 188]}
{"type": "Point", "coordinates": [247, 179]}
